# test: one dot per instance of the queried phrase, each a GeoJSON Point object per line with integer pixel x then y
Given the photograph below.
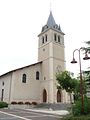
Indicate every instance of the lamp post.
{"type": "Point", "coordinates": [81, 80]}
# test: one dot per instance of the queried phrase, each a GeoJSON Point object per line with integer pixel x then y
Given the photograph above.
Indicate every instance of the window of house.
{"type": "Point", "coordinates": [24, 78]}
{"type": "Point", "coordinates": [46, 38]}
{"type": "Point", "coordinates": [44, 78]}
{"type": "Point", "coordinates": [62, 42]}
{"type": "Point", "coordinates": [43, 39]}
{"type": "Point", "coordinates": [37, 75]}
{"type": "Point", "coordinates": [43, 49]}
{"type": "Point", "coordinates": [2, 95]}
{"type": "Point", "coordinates": [59, 38]}
{"type": "Point", "coordinates": [3, 83]}
{"type": "Point", "coordinates": [55, 37]}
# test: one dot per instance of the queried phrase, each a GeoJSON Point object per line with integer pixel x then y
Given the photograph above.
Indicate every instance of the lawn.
{"type": "Point", "coordinates": [82, 117]}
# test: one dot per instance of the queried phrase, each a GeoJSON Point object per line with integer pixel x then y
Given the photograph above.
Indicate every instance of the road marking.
{"type": "Point", "coordinates": [23, 118]}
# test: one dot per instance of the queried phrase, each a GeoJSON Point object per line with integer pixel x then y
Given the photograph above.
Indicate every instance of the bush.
{"type": "Point", "coordinates": [34, 103]}
{"type": "Point", "coordinates": [71, 117]}
{"type": "Point", "coordinates": [77, 107]}
{"type": "Point", "coordinates": [27, 103]}
{"type": "Point", "coordinates": [89, 104]}
{"type": "Point", "coordinates": [13, 102]}
{"type": "Point", "coordinates": [3, 104]}
{"type": "Point", "coordinates": [20, 103]}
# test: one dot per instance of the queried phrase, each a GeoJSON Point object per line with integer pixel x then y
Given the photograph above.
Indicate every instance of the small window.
{"type": "Point", "coordinates": [24, 78]}
{"type": "Point", "coordinates": [55, 37]}
{"type": "Point", "coordinates": [59, 38]}
{"type": "Point", "coordinates": [63, 42]}
{"type": "Point", "coordinates": [46, 38]}
{"type": "Point", "coordinates": [43, 39]}
{"type": "Point", "coordinates": [44, 49]}
{"type": "Point", "coordinates": [37, 75]}
{"type": "Point", "coordinates": [2, 95]}
{"type": "Point", "coordinates": [3, 83]}
{"type": "Point", "coordinates": [44, 78]}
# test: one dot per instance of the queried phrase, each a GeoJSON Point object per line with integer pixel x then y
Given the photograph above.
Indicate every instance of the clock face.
{"type": "Point", "coordinates": [59, 68]}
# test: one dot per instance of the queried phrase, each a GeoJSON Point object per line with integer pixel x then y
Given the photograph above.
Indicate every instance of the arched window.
{"type": "Point", "coordinates": [55, 37]}
{"type": "Point", "coordinates": [58, 96]}
{"type": "Point", "coordinates": [42, 39]}
{"type": "Point", "coordinates": [59, 38]}
{"type": "Point", "coordinates": [3, 83]}
{"type": "Point", "coordinates": [44, 95]}
{"type": "Point", "coordinates": [46, 38]}
{"type": "Point", "coordinates": [37, 75]}
{"type": "Point", "coordinates": [24, 78]}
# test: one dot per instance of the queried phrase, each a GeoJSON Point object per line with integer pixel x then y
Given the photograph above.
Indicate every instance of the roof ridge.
{"type": "Point", "coordinates": [21, 68]}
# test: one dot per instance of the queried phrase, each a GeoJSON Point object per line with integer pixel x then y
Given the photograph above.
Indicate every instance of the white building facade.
{"type": "Point", "coordinates": [37, 82]}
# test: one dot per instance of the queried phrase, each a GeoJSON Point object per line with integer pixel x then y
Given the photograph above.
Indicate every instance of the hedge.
{"type": "Point", "coordinates": [3, 104]}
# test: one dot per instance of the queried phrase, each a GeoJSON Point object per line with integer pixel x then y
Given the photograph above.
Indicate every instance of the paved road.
{"type": "Point", "coordinates": [17, 114]}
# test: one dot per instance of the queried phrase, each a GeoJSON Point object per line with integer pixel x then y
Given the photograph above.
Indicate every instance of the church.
{"type": "Point", "coordinates": [37, 82]}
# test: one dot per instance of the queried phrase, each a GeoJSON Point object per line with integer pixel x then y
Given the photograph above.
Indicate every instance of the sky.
{"type": "Point", "coordinates": [21, 21]}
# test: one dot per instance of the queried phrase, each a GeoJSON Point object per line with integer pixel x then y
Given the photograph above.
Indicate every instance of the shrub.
{"type": "Point", "coordinates": [34, 103]}
{"type": "Point", "coordinates": [76, 118]}
{"type": "Point", "coordinates": [89, 104]}
{"type": "Point", "coordinates": [27, 103]}
{"type": "Point", "coordinates": [3, 104]}
{"type": "Point", "coordinates": [13, 102]}
{"type": "Point", "coordinates": [77, 107]}
{"type": "Point", "coordinates": [20, 103]}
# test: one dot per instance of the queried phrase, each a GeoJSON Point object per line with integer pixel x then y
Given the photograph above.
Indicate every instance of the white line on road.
{"type": "Point", "coordinates": [23, 118]}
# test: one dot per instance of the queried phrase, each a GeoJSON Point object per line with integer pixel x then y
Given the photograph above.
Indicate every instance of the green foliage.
{"type": "Point", "coordinates": [88, 48]}
{"type": "Point", "coordinates": [65, 81]}
{"type": "Point", "coordinates": [86, 75]}
{"type": "Point", "coordinates": [77, 89]}
{"type": "Point", "coordinates": [3, 104]}
{"type": "Point", "coordinates": [77, 107]}
{"type": "Point", "coordinates": [86, 117]}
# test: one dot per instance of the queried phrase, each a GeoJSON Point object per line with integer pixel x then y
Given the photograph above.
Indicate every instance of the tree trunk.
{"type": "Point", "coordinates": [70, 97]}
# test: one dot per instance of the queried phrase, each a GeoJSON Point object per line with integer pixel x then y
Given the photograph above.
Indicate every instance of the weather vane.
{"type": "Point", "coordinates": [50, 5]}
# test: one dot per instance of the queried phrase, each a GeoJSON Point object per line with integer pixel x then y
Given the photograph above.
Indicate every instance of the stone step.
{"type": "Point", "coordinates": [54, 106]}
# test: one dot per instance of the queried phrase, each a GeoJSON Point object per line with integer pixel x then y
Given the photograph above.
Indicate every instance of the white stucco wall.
{"type": "Point", "coordinates": [29, 91]}
{"type": "Point", "coordinates": [7, 89]}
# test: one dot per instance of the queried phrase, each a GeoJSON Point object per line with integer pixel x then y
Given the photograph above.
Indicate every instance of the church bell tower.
{"type": "Point", "coordinates": [51, 53]}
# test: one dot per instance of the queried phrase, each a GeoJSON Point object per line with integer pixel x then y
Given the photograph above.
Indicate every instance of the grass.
{"type": "Point", "coordinates": [81, 117]}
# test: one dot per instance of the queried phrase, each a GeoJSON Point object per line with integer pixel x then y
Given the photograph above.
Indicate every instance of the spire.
{"type": "Point", "coordinates": [51, 24]}
{"type": "Point", "coordinates": [51, 21]}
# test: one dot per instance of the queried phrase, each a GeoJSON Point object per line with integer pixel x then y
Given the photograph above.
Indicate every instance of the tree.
{"type": "Point", "coordinates": [87, 49]}
{"type": "Point", "coordinates": [66, 82]}
{"type": "Point", "coordinates": [86, 75]}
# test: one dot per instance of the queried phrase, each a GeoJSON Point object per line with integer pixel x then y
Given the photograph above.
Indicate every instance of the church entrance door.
{"type": "Point", "coordinates": [44, 96]}
{"type": "Point", "coordinates": [58, 96]}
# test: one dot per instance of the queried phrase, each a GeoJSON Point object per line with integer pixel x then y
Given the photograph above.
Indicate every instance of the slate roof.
{"type": "Point", "coordinates": [51, 21]}
{"type": "Point", "coordinates": [51, 24]}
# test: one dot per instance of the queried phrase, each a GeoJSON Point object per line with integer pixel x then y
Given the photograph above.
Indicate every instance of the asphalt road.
{"type": "Point", "coordinates": [17, 114]}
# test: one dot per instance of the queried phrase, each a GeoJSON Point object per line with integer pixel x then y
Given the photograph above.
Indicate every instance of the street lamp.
{"type": "Point", "coordinates": [81, 80]}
